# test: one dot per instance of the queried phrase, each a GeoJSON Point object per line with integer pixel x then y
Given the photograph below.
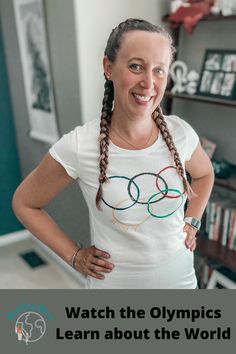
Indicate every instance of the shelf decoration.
{"type": "Point", "coordinates": [175, 4]}
{"type": "Point", "coordinates": [190, 13]}
{"type": "Point", "coordinates": [228, 7]}
{"type": "Point", "coordinates": [225, 7]}
{"type": "Point", "coordinates": [218, 74]}
{"type": "Point", "coordinates": [37, 80]}
{"type": "Point", "coordinates": [184, 81]}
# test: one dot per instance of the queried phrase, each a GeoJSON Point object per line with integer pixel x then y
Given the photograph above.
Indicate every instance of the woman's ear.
{"type": "Point", "coordinates": [107, 66]}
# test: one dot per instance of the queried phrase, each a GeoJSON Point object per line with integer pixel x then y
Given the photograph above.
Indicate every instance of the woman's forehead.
{"type": "Point", "coordinates": [141, 37]}
{"type": "Point", "coordinates": [142, 43]}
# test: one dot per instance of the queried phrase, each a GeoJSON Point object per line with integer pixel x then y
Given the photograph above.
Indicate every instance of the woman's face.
{"type": "Point", "coordinates": [139, 73]}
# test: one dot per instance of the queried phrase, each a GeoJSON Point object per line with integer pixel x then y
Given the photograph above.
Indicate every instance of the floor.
{"type": "Point", "coordinates": [17, 273]}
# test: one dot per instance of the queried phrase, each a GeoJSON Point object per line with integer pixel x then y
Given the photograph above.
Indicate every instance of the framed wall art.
{"type": "Point", "coordinates": [218, 74]}
{"type": "Point", "coordinates": [31, 32]}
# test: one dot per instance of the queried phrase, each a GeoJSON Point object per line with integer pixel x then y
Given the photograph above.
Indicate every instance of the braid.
{"type": "Point", "coordinates": [161, 123]}
{"type": "Point", "coordinates": [104, 137]}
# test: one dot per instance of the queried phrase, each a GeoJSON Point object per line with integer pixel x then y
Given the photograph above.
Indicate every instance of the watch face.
{"type": "Point", "coordinates": [196, 223]}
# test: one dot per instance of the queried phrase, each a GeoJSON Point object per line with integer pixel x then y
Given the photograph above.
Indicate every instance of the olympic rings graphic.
{"type": "Point", "coordinates": [150, 200]}
{"type": "Point", "coordinates": [138, 191]}
{"type": "Point", "coordinates": [134, 225]}
{"type": "Point", "coordinates": [165, 195]}
{"type": "Point", "coordinates": [169, 214]}
{"type": "Point", "coordinates": [143, 174]}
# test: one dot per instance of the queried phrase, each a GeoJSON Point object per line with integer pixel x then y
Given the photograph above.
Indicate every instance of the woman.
{"type": "Point", "coordinates": [138, 232]}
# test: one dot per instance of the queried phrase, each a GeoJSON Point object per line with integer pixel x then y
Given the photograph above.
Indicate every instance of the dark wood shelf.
{"type": "Point", "coordinates": [198, 98]}
{"type": "Point", "coordinates": [165, 18]}
{"type": "Point", "coordinates": [215, 251]}
{"type": "Point", "coordinates": [219, 18]}
{"type": "Point", "coordinates": [229, 183]}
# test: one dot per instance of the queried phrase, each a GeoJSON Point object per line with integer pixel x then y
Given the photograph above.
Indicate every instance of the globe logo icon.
{"type": "Point", "coordinates": [30, 326]}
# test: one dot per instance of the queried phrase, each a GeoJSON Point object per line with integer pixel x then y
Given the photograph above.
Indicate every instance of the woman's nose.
{"type": "Point", "coordinates": [147, 80]}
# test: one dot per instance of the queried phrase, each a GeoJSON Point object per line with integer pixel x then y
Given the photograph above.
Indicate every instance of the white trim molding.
{"type": "Point", "coordinates": [23, 235]}
{"type": "Point", "coordinates": [14, 237]}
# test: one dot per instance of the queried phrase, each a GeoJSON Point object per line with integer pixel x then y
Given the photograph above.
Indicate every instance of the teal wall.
{"type": "Point", "coordinates": [10, 175]}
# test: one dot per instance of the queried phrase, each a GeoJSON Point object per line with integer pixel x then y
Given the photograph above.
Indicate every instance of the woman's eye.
{"type": "Point", "coordinates": [160, 71]}
{"type": "Point", "coordinates": [136, 67]}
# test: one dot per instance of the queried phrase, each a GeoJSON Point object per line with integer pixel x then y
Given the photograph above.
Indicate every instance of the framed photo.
{"type": "Point", "coordinates": [218, 74]}
{"type": "Point", "coordinates": [219, 281]}
{"type": "Point", "coordinates": [31, 32]}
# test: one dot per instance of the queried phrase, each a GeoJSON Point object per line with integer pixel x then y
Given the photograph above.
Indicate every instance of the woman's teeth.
{"type": "Point", "coordinates": [142, 98]}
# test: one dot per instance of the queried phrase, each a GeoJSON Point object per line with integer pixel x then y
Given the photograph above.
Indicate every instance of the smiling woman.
{"type": "Point", "coordinates": [131, 167]}
{"type": "Point", "coordinates": [139, 76]}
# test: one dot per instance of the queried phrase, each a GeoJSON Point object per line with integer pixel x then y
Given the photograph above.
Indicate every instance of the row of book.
{"type": "Point", "coordinates": [220, 221]}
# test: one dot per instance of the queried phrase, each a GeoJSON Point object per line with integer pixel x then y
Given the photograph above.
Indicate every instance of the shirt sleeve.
{"type": "Point", "coordinates": [192, 139]}
{"type": "Point", "coordinates": [65, 151]}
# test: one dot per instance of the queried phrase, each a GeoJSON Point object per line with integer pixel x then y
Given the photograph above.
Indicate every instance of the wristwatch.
{"type": "Point", "coordinates": [194, 222]}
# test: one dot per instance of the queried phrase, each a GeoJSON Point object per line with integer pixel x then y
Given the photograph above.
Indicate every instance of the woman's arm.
{"type": "Point", "coordinates": [33, 194]}
{"type": "Point", "coordinates": [202, 173]}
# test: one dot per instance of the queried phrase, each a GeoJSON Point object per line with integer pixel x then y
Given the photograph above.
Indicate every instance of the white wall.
{"type": "Point", "coordinates": [94, 21]}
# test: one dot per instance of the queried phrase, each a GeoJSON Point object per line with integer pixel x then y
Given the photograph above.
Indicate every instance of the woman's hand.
{"type": "Point", "coordinates": [190, 240]}
{"type": "Point", "coordinates": [90, 261]}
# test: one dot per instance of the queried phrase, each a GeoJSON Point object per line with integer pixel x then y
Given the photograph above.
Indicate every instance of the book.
{"type": "Point", "coordinates": [228, 224]}
{"type": "Point", "coordinates": [220, 220]}
{"type": "Point", "coordinates": [232, 230]}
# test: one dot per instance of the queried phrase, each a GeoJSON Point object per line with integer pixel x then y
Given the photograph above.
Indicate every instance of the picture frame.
{"type": "Point", "coordinates": [220, 281]}
{"type": "Point", "coordinates": [37, 79]}
{"type": "Point", "coordinates": [218, 74]}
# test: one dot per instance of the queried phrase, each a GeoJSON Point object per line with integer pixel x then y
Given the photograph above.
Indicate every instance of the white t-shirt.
{"type": "Point", "coordinates": [141, 222]}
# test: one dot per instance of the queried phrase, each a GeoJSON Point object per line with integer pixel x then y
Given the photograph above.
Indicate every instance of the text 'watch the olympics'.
{"type": "Point", "coordinates": [194, 222]}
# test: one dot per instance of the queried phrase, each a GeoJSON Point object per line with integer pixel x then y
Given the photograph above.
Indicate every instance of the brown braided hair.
{"type": "Point", "coordinates": [112, 48]}
{"type": "Point", "coordinates": [105, 124]}
{"type": "Point", "coordinates": [161, 124]}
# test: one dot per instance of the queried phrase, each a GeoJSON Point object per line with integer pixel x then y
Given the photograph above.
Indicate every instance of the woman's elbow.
{"type": "Point", "coordinates": [16, 203]}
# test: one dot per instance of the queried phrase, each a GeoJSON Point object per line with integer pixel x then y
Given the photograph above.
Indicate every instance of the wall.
{"type": "Point", "coordinates": [69, 208]}
{"type": "Point", "coordinates": [212, 121]}
{"type": "Point", "coordinates": [9, 162]}
{"type": "Point", "coordinates": [95, 20]}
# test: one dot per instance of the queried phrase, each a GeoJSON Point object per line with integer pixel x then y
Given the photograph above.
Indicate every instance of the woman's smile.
{"type": "Point", "coordinates": [141, 98]}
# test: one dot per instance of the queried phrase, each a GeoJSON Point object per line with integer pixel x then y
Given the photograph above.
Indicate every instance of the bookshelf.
{"type": "Point", "coordinates": [209, 249]}
{"type": "Point", "coordinates": [198, 98]}
{"type": "Point", "coordinates": [215, 251]}
{"type": "Point", "coordinates": [229, 183]}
